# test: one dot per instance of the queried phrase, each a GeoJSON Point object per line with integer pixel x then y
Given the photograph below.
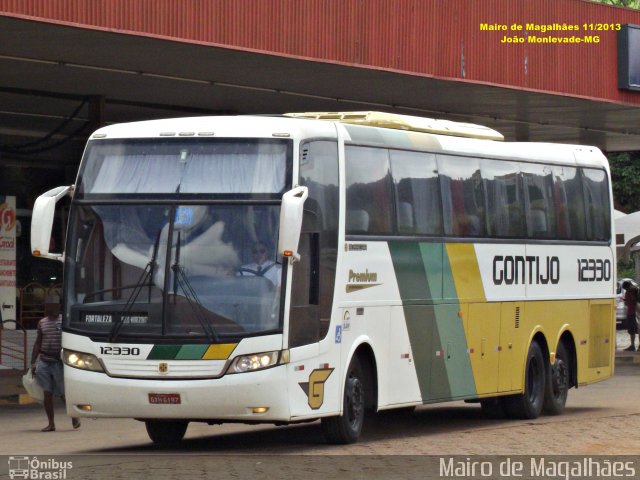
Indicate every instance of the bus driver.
{"type": "Point", "coordinates": [262, 266]}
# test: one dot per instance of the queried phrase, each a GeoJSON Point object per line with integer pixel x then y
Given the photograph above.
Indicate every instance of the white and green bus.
{"type": "Point", "coordinates": [411, 261]}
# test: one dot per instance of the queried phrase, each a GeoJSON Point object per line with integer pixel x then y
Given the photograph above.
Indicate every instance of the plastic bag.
{"type": "Point", "coordinates": [32, 386]}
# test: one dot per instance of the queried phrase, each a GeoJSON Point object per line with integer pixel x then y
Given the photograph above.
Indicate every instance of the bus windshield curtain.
{"type": "Point", "coordinates": [228, 172]}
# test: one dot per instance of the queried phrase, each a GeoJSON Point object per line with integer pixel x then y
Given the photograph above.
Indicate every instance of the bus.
{"type": "Point", "coordinates": [412, 261]}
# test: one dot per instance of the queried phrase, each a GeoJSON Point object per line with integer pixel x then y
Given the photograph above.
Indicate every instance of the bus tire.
{"type": "Point", "coordinates": [346, 428]}
{"type": "Point", "coordinates": [163, 432]}
{"type": "Point", "coordinates": [557, 388]}
{"type": "Point", "coordinates": [528, 405]}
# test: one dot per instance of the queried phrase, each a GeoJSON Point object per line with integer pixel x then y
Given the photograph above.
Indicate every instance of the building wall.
{"type": "Point", "coordinates": [440, 38]}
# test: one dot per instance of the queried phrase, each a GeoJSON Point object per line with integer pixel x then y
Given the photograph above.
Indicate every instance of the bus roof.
{"type": "Point", "coordinates": [366, 128]}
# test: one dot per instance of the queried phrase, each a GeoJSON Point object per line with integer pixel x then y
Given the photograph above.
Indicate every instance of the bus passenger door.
{"type": "Point", "coordinates": [314, 369]}
{"type": "Point", "coordinates": [313, 374]}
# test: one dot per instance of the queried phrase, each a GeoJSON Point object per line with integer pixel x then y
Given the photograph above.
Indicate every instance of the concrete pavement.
{"type": "Point", "coordinates": [601, 419]}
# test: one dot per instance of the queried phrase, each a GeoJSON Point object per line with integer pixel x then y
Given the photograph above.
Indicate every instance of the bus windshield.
{"type": "Point", "coordinates": [188, 166]}
{"type": "Point", "coordinates": [194, 270]}
{"type": "Point", "coordinates": [177, 240]}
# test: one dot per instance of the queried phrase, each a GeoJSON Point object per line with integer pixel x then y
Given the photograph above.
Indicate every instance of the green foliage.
{"type": "Point", "coordinates": [626, 269]}
{"type": "Point", "coordinates": [625, 179]}
{"type": "Point", "coordinates": [622, 3]}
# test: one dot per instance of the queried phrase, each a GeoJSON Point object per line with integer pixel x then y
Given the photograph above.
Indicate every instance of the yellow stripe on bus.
{"type": "Point", "coordinates": [219, 351]}
{"type": "Point", "coordinates": [465, 272]}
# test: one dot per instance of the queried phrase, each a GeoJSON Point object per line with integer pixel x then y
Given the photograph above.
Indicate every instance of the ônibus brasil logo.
{"type": "Point", "coordinates": [7, 217]}
{"type": "Point", "coordinates": [34, 468]}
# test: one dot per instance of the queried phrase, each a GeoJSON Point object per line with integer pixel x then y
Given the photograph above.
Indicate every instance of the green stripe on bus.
{"type": "Point", "coordinates": [420, 318]}
{"type": "Point", "coordinates": [451, 327]}
{"type": "Point", "coordinates": [431, 254]}
{"type": "Point", "coordinates": [449, 291]}
{"type": "Point", "coordinates": [456, 364]}
{"type": "Point", "coordinates": [191, 352]}
{"type": "Point", "coordinates": [436, 331]}
{"type": "Point", "coordinates": [425, 343]}
{"type": "Point", "coordinates": [410, 273]}
{"type": "Point", "coordinates": [164, 352]}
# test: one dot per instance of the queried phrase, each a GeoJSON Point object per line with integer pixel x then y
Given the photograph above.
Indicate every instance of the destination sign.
{"type": "Point", "coordinates": [133, 318]}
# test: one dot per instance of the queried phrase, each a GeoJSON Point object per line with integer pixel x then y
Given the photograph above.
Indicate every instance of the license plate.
{"type": "Point", "coordinates": [164, 398]}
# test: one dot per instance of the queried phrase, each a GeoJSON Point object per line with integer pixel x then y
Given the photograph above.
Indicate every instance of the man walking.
{"type": "Point", "coordinates": [46, 363]}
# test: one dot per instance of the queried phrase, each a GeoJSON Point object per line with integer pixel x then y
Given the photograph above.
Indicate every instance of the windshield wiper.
{"type": "Point", "coordinates": [180, 280]}
{"type": "Point", "coordinates": [146, 279]}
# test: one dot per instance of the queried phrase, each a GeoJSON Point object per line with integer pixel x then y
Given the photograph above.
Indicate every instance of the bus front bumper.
{"type": "Point", "coordinates": [247, 397]}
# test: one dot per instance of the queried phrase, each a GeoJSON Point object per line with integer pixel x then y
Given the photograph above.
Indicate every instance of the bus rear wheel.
{"type": "Point", "coordinates": [528, 405]}
{"type": "Point", "coordinates": [557, 389]}
{"type": "Point", "coordinates": [166, 432]}
{"type": "Point", "coordinates": [346, 428]}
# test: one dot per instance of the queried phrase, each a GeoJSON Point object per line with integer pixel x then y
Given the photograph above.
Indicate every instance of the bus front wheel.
{"type": "Point", "coordinates": [528, 405]}
{"type": "Point", "coordinates": [167, 432]}
{"type": "Point", "coordinates": [346, 428]}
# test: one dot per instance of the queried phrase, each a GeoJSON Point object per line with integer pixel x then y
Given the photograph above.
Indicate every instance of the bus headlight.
{"type": "Point", "coordinates": [251, 363]}
{"type": "Point", "coordinates": [83, 361]}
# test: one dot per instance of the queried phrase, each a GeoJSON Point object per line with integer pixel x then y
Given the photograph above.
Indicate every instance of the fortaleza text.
{"type": "Point", "coordinates": [538, 468]}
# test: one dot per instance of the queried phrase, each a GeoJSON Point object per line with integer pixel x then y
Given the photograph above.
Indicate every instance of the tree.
{"type": "Point", "coordinates": [622, 3]}
{"type": "Point", "coordinates": [625, 179]}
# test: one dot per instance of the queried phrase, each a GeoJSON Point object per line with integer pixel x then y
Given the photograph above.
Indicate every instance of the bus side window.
{"type": "Point", "coordinates": [415, 179]}
{"type": "Point", "coordinates": [572, 183]}
{"type": "Point", "coordinates": [538, 190]}
{"type": "Point", "coordinates": [503, 190]}
{"type": "Point", "coordinates": [367, 178]}
{"type": "Point", "coordinates": [596, 195]}
{"type": "Point", "coordinates": [462, 196]}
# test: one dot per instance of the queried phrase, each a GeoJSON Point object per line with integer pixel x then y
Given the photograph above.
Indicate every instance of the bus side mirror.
{"type": "Point", "coordinates": [42, 222]}
{"type": "Point", "coordinates": [291, 222]}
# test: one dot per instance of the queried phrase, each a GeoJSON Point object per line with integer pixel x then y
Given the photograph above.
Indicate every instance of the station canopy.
{"type": "Point", "coordinates": [58, 83]}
